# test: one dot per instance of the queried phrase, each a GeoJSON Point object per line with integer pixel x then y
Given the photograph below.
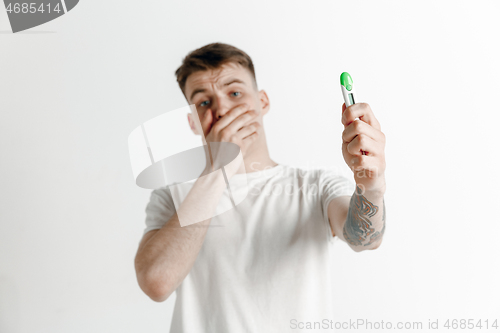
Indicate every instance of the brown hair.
{"type": "Point", "coordinates": [212, 56]}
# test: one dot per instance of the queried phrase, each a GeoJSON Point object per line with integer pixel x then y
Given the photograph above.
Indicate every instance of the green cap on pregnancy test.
{"type": "Point", "coordinates": [346, 81]}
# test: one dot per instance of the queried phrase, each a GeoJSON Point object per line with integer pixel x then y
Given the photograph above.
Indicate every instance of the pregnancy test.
{"type": "Point", "coordinates": [348, 92]}
{"type": "Point", "coordinates": [347, 89]}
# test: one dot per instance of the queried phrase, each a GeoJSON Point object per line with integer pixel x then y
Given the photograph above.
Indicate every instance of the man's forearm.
{"type": "Point", "coordinates": [166, 259]}
{"type": "Point", "coordinates": [365, 223]}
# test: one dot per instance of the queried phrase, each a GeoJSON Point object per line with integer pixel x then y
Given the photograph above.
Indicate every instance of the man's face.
{"type": "Point", "coordinates": [219, 90]}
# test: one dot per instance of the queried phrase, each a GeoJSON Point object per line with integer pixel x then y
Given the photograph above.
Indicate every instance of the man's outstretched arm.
{"type": "Point", "coordinates": [360, 219]}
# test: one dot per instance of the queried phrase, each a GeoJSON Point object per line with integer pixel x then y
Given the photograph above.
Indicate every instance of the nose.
{"type": "Point", "coordinates": [220, 107]}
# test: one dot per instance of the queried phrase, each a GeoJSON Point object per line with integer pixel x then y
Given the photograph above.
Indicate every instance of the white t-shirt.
{"type": "Point", "coordinates": [265, 266]}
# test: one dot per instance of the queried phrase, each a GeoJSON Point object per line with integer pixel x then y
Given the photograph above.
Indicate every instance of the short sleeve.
{"type": "Point", "coordinates": [159, 209]}
{"type": "Point", "coordinates": [333, 185]}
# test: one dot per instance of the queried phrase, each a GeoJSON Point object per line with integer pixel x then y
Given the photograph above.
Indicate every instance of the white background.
{"type": "Point", "coordinates": [72, 90]}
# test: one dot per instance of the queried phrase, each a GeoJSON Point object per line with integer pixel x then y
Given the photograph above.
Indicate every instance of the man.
{"type": "Point", "coordinates": [267, 267]}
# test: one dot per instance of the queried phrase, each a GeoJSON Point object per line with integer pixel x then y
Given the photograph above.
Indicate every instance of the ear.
{"type": "Point", "coordinates": [264, 102]}
{"type": "Point", "coordinates": [192, 125]}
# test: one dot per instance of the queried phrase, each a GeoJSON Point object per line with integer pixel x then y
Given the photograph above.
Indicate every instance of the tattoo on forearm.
{"type": "Point", "coordinates": [358, 226]}
{"type": "Point", "coordinates": [376, 236]}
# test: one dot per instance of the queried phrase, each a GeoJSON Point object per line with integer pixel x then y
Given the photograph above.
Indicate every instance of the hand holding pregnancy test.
{"type": "Point", "coordinates": [363, 142]}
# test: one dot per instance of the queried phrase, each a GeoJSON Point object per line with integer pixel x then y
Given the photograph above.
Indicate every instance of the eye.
{"type": "Point", "coordinates": [236, 92]}
{"type": "Point", "coordinates": [201, 104]}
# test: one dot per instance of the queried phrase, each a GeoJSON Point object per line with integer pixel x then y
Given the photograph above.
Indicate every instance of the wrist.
{"type": "Point", "coordinates": [377, 187]}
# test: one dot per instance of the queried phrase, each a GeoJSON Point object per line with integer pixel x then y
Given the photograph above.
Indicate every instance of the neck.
{"type": "Point", "coordinates": [257, 156]}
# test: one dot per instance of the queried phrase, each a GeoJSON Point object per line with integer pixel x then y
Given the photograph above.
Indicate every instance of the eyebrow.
{"type": "Point", "coordinates": [199, 90]}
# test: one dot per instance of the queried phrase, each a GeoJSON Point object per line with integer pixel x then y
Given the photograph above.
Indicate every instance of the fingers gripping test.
{"type": "Point", "coordinates": [347, 87]}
